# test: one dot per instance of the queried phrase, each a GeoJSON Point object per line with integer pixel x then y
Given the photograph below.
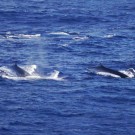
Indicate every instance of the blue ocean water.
{"type": "Point", "coordinates": [70, 37]}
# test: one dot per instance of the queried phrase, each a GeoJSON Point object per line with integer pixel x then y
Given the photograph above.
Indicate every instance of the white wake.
{"type": "Point", "coordinates": [10, 35]}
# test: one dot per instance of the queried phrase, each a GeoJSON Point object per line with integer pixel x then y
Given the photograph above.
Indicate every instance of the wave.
{"type": "Point", "coordinates": [9, 35]}
{"type": "Point", "coordinates": [59, 33]}
{"type": "Point", "coordinates": [115, 36]}
{"type": "Point", "coordinates": [80, 38]}
{"type": "Point", "coordinates": [9, 73]}
{"type": "Point", "coordinates": [110, 36]}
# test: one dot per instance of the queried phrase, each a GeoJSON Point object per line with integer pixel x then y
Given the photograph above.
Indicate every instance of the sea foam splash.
{"type": "Point", "coordinates": [9, 73]}
{"type": "Point", "coordinates": [59, 33]}
{"type": "Point", "coordinates": [23, 36]}
{"type": "Point", "coordinates": [110, 36]}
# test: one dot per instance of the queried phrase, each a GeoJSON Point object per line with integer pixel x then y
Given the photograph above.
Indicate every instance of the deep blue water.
{"type": "Point", "coordinates": [75, 35]}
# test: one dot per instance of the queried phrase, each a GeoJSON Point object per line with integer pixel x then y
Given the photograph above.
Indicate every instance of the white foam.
{"type": "Point", "coordinates": [55, 76]}
{"type": "Point", "coordinates": [107, 74]}
{"type": "Point", "coordinates": [21, 78]}
{"type": "Point", "coordinates": [34, 77]}
{"type": "Point", "coordinates": [110, 36]}
{"type": "Point", "coordinates": [64, 45]}
{"type": "Point", "coordinates": [80, 38]}
{"type": "Point", "coordinates": [59, 33]}
{"type": "Point", "coordinates": [31, 69]}
{"type": "Point", "coordinates": [129, 73]}
{"type": "Point", "coordinates": [27, 36]}
{"type": "Point", "coordinates": [6, 71]}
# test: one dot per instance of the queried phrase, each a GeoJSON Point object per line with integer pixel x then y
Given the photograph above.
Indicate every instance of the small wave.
{"type": "Point", "coordinates": [115, 36]}
{"type": "Point", "coordinates": [24, 36]}
{"type": "Point", "coordinates": [80, 38]}
{"type": "Point", "coordinates": [110, 36]}
{"type": "Point", "coordinates": [59, 33]}
{"type": "Point", "coordinates": [22, 78]}
{"type": "Point", "coordinates": [64, 45]}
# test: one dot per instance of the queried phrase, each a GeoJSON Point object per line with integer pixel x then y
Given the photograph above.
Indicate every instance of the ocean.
{"type": "Point", "coordinates": [65, 41]}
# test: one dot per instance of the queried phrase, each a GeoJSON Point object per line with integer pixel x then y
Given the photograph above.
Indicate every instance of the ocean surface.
{"type": "Point", "coordinates": [66, 40]}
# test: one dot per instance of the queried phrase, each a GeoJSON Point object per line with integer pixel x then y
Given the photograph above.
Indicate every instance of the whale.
{"type": "Point", "coordinates": [19, 71]}
{"type": "Point", "coordinates": [102, 68]}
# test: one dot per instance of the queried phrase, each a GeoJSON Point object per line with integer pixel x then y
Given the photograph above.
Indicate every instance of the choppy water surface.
{"type": "Point", "coordinates": [66, 39]}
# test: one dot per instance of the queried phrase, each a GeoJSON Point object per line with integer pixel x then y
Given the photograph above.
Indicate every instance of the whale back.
{"type": "Point", "coordinates": [108, 70]}
{"type": "Point", "coordinates": [19, 71]}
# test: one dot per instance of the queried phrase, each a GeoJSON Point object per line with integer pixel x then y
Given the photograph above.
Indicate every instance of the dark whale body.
{"type": "Point", "coordinates": [108, 70]}
{"type": "Point", "coordinates": [19, 71]}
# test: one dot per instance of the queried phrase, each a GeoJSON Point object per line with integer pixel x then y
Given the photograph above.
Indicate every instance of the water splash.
{"type": "Point", "coordinates": [10, 35]}
{"type": "Point", "coordinates": [59, 33]}
{"type": "Point", "coordinates": [8, 73]}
